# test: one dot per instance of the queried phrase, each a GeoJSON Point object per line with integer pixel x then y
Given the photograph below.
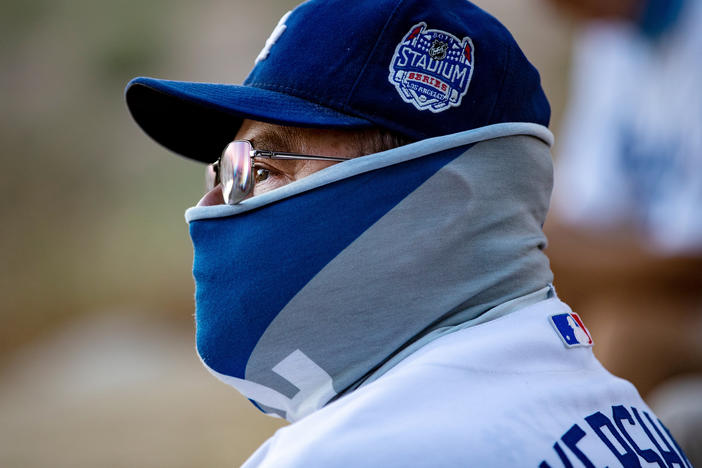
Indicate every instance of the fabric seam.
{"type": "Point", "coordinates": [375, 46]}
{"type": "Point", "coordinates": [508, 62]}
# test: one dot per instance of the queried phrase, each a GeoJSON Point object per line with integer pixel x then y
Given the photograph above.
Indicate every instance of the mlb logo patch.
{"type": "Point", "coordinates": [432, 69]}
{"type": "Point", "coordinates": [571, 330]}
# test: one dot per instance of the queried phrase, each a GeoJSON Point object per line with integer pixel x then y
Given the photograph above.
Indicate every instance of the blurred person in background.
{"type": "Point", "coordinates": [626, 241]}
{"type": "Point", "coordinates": [369, 257]}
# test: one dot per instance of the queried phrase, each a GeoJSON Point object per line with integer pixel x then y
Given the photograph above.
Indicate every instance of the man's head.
{"type": "Point", "coordinates": [602, 8]}
{"type": "Point", "coordinates": [652, 17]}
{"type": "Point", "coordinates": [413, 68]}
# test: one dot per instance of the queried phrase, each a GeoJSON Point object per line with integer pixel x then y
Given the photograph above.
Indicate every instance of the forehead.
{"type": "Point", "coordinates": [268, 136]}
{"type": "Point", "coordinates": [300, 140]}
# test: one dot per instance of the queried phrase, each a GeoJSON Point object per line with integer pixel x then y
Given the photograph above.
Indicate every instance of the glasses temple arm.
{"type": "Point", "coordinates": [283, 155]}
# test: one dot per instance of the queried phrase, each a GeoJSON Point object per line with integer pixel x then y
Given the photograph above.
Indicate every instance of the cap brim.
{"type": "Point", "coordinates": [198, 120]}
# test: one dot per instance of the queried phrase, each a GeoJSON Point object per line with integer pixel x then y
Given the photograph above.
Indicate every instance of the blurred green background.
{"type": "Point", "coordinates": [97, 360]}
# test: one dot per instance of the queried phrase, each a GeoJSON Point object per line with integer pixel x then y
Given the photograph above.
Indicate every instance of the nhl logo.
{"type": "Point", "coordinates": [432, 69]}
{"type": "Point", "coordinates": [438, 50]}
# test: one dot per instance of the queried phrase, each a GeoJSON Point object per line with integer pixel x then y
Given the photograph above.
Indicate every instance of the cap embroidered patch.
{"type": "Point", "coordinates": [571, 330]}
{"type": "Point", "coordinates": [431, 69]}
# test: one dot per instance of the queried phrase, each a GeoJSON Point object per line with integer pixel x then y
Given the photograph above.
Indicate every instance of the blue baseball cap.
{"type": "Point", "coordinates": [421, 68]}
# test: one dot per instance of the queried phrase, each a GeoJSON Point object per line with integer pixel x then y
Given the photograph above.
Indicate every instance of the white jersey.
{"type": "Point", "coordinates": [518, 391]}
{"type": "Point", "coordinates": [631, 146]}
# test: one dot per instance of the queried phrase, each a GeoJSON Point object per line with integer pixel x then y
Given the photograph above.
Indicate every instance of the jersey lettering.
{"type": "Point", "coordinates": [629, 434]}
{"type": "Point", "coordinates": [669, 455]}
{"type": "Point", "coordinates": [571, 438]}
{"type": "Point", "coordinates": [620, 415]}
{"type": "Point", "coordinates": [628, 458]}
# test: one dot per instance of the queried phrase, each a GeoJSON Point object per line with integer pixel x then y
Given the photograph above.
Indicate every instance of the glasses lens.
{"type": "Point", "coordinates": [235, 172]}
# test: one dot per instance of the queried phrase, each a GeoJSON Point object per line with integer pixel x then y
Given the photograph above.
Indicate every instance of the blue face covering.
{"type": "Point", "coordinates": [305, 292]}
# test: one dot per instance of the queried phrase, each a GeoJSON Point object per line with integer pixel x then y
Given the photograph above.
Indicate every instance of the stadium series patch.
{"type": "Point", "coordinates": [432, 69]}
{"type": "Point", "coordinates": [571, 330]}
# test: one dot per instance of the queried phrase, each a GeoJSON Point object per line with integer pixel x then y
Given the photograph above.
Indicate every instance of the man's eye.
{"type": "Point", "coordinates": [261, 174]}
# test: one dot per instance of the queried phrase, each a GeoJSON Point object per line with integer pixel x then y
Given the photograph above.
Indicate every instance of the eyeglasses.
{"type": "Point", "coordinates": [235, 169]}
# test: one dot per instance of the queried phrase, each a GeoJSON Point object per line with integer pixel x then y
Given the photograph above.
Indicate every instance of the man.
{"type": "Point", "coordinates": [396, 307]}
{"type": "Point", "coordinates": [626, 242]}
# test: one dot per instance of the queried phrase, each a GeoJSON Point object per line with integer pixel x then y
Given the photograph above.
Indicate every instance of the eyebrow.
{"type": "Point", "coordinates": [268, 139]}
